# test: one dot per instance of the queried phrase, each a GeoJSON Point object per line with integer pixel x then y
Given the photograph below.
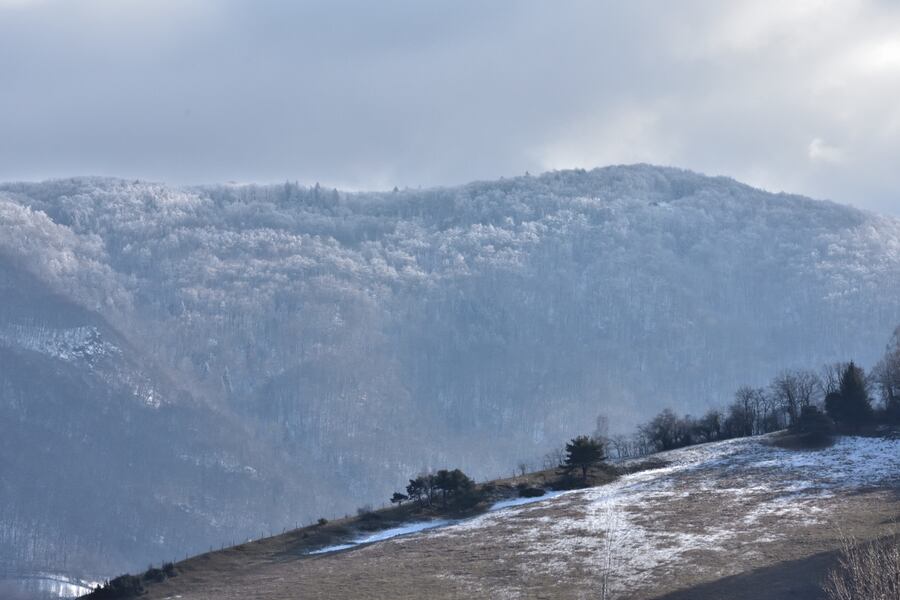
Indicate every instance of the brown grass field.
{"type": "Point", "coordinates": [722, 523]}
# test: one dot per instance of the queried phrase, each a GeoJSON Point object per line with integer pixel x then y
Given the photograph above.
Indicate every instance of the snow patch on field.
{"type": "Point", "coordinates": [514, 502]}
{"type": "Point", "coordinates": [410, 528]}
{"type": "Point", "coordinates": [384, 534]}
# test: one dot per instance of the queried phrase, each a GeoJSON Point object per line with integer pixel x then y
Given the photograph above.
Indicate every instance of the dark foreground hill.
{"type": "Point", "coordinates": [287, 352]}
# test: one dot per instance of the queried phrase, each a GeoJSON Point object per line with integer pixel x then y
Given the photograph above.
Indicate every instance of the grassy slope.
{"type": "Point", "coordinates": [196, 572]}
{"type": "Point", "coordinates": [780, 555]}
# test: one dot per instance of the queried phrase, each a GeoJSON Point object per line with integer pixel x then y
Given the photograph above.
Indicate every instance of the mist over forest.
{"type": "Point", "coordinates": [227, 360]}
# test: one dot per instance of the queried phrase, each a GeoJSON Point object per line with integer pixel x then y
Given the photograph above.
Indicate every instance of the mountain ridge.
{"type": "Point", "coordinates": [471, 325]}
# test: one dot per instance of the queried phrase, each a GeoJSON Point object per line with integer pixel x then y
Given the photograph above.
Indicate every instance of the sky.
{"type": "Point", "coordinates": [800, 96]}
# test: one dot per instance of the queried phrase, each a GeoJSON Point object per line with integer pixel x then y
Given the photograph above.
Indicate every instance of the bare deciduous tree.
{"type": "Point", "coordinates": [622, 446]}
{"type": "Point", "coordinates": [886, 375]}
{"type": "Point", "coordinates": [831, 376]}
{"type": "Point", "coordinates": [793, 390]}
{"type": "Point", "coordinates": [554, 458]}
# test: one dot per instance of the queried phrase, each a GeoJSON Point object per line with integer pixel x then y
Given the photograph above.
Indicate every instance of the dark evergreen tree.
{"type": "Point", "coordinates": [582, 453]}
{"type": "Point", "coordinates": [399, 498]}
{"type": "Point", "coordinates": [833, 404]}
{"type": "Point", "coordinates": [442, 483]}
{"type": "Point", "coordinates": [850, 405]}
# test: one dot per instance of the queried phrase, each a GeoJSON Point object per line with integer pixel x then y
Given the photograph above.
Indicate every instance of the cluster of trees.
{"type": "Point", "coordinates": [455, 488]}
{"type": "Point", "coordinates": [450, 487]}
{"type": "Point", "coordinates": [130, 586]}
{"type": "Point", "coordinates": [840, 397]}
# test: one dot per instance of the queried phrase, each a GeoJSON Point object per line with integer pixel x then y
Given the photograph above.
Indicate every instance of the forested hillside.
{"type": "Point", "coordinates": [348, 339]}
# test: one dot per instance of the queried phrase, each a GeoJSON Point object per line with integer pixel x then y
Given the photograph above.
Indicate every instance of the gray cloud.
{"type": "Point", "coordinates": [797, 96]}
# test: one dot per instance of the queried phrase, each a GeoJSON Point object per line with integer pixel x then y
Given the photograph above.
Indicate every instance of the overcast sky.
{"type": "Point", "coordinates": [798, 95]}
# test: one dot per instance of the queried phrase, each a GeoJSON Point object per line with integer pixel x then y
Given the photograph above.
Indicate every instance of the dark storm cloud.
{"type": "Point", "coordinates": [796, 96]}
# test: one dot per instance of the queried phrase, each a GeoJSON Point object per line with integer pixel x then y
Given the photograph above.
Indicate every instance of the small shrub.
{"type": "Point", "coordinates": [322, 522]}
{"type": "Point", "coordinates": [467, 499]}
{"type": "Point", "coordinates": [153, 574]}
{"type": "Point", "coordinates": [814, 426]}
{"type": "Point", "coordinates": [865, 572]}
{"type": "Point", "coordinates": [365, 513]}
{"type": "Point", "coordinates": [813, 420]}
{"type": "Point", "coordinates": [531, 492]}
{"type": "Point", "coordinates": [124, 586]}
{"type": "Point", "coordinates": [169, 569]}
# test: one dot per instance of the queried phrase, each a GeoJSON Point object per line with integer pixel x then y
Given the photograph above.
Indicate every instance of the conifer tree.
{"type": "Point", "coordinates": [582, 453]}
{"type": "Point", "coordinates": [850, 404]}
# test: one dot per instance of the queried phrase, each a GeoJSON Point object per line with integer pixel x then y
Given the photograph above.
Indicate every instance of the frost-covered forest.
{"type": "Point", "coordinates": [330, 343]}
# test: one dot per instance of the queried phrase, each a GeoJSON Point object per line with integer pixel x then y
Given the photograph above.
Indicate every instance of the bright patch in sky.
{"type": "Point", "coordinates": [820, 150]}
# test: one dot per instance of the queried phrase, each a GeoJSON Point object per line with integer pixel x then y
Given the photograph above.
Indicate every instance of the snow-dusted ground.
{"type": "Point", "coordinates": [620, 524]}
{"type": "Point", "coordinates": [706, 498]}
{"type": "Point", "coordinates": [713, 511]}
